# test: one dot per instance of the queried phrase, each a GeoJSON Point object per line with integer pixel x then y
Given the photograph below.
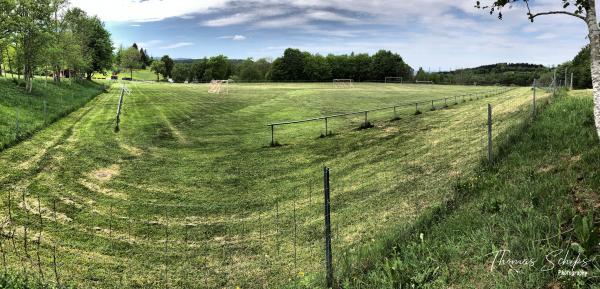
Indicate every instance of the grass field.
{"type": "Point", "coordinates": [190, 194]}
{"type": "Point", "coordinates": [527, 204]}
{"type": "Point", "coordinates": [47, 103]}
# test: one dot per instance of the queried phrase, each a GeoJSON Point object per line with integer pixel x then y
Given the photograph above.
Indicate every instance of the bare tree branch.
{"type": "Point", "coordinates": [532, 16]}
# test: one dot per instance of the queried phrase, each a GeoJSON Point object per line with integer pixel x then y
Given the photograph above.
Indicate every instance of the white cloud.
{"type": "Point", "coordinates": [427, 32]}
{"type": "Point", "coordinates": [177, 45]}
{"type": "Point", "coordinates": [144, 11]}
{"type": "Point", "coordinates": [323, 15]}
{"type": "Point", "coordinates": [234, 37]}
{"type": "Point", "coordinates": [149, 44]}
{"type": "Point", "coordinates": [135, 25]}
{"type": "Point", "coordinates": [238, 18]}
{"type": "Point", "coordinates": [546, 35]}
{"type": "Point", "coordinates": [283, 22]}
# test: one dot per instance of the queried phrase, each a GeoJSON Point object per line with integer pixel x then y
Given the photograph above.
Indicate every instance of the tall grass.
{"type": "Point", "coordinates": [531, 202]}
{"type": "Point", "coordinates": [22, 114]}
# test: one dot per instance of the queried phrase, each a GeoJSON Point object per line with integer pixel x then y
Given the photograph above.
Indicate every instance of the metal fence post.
{"type": "Point", "coordinates": [571, 86]}
{"type": "Point", "coordinates": [534, 103]}
{"type": "Point", "coordinates": [489, 124]}
{"type": "Point", "coordinates": [45, 113]}
{"type": "Point", "coordinates": [328, 253]}
{"type": "Point", "coordinates": [326, 127]}
{"type": "Point", "coordinates": [272, 135]}
{"type": "Point", "coordinates": [117, 128]}
{"type": "Point", "coordinates": [366, 119]}
{"type": "Point", "coordinates": [17, 123]}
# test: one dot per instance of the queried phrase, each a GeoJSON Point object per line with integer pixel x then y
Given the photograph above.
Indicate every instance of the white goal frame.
{"type": "Point", "coordinates": [390, 79]}
{"type": "Point", "coordinates": [424, 82]}
{"type": "Point", "coordinates": [343, 83]}
{"type": "Point", "coordinates": [216, 86]}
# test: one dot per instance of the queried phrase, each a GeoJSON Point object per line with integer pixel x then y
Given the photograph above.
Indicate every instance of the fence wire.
{"type": "Point", "coordinates": [276, 243]}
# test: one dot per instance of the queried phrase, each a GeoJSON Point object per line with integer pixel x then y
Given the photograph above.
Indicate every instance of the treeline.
{"type": "Point", "coordinates": [294, 65]}
{"type": "Point", "coordinates": [47, 37]}
{"type": "Point", "coordinates": [521, 74]}
{"type": "Point", "coordinates": [580, 66]}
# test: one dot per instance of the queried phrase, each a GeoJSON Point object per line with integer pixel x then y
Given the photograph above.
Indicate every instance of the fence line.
{"type": "Point", "coordinates": [394, 107]}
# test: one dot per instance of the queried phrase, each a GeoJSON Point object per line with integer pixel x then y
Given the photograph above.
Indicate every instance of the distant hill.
{"type": "Point", "coordinates": [521, 74]}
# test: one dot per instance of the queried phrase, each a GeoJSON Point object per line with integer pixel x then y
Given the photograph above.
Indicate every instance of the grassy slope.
{"type": "Point", "coordinates": [59, 100]}
{"type": "Point", "coordinates": [525, 203]}
{"type": "Point", "coordinates": [138, 75]}
{"type": "Point", "coordinates": [201, 159]}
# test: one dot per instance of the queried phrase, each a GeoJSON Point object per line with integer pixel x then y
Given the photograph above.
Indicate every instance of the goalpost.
{"type": "Point", "coordinates": [392, 79]}
{"type": "Point", "coordinates": [217, 86]}
{"type": "Point", "coordinates": [343, 83]}
{"type": "Point", "coordinates": [423, 82]}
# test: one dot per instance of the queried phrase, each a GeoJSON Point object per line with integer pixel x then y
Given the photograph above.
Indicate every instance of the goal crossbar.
{"type": "Point", "coordinates": [424, 81]}
{"type": "Point", "coordinates": [394, 79]}
{"type": "Point", "coordinates": [343, 83]}
{"type": "Point", "coordinates": [216, 86]}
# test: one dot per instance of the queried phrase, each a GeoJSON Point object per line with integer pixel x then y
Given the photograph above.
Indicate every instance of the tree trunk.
{"type": "Point", "coordinates": [131, 74]}
{"type": "Point", "coordinates": [594, 36]}
{"type": "Point", "coordinates": [9, 64]}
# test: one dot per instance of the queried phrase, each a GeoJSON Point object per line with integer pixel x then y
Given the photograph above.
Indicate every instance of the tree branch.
{"type": "Point", "coordinates": [532, 16]}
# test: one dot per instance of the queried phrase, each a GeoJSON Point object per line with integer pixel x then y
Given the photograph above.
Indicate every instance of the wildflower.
{"type": "Point", "coordinates": [421, 237]}
{"type": "Point", "coordinates": [300, 274]}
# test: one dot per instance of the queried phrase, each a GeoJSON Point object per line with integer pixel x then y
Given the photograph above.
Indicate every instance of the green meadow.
{"type": "Point", "coordinates": [189, 192]}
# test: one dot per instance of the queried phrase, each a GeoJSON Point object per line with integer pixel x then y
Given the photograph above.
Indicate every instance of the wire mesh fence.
{"type": "Point", "coordinates": [278, 243]}
{"type": "Point", "coordinates": [22, 116]}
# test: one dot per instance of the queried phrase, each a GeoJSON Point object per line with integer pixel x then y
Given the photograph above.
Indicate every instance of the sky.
{"type": "Point", "coordinates": [433, 34]}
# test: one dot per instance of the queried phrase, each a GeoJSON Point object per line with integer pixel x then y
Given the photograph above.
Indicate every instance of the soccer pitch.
{"type": "Point", "coordinates": [189, 192]}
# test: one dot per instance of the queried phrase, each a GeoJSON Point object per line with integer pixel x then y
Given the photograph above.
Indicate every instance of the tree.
{"type": "Point", "coordinates": [130, 59]}
{"type": "Point", "coordinates": [581, 68]}
{"type": "Point", "coordinates": [385, 63]}
{"type": "Point", "coordinates": [421, 75]}
{"type": "Point", "coordinates": [249, 71]}
{"type": "Point", "coordinates": [181, 72]}
{"type": "Point", "coordinates": [159, 68]}
{"type": "Point", "coordinates": [169, 63]}
{"type": "Point", "coordinates": [219, 67]}
{"type": "Point", "coordinates": [316, 68]}
{"type": "Point", "coordinates": [197, 70]}
{"type": "Point", "coordinates": [32, 28]}
{"type": "Point", "coordinates": [584, 10]}
{"type": "Point", "coordinates": [6, 26]}
{"type": "Point", "coordinates": [263, 66]}
{"type": "Point", "coordinates": [361, 64]}
{"type": "Point", "coordinates": [94, 40]}
{"type": "Point", "coordinates": [144, 58]}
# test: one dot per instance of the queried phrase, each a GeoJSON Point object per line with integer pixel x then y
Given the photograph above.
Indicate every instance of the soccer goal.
{"type": "Point", "coordinates": [218, 86]}
{"type": "Point", "coordinates": [423, 82]}
{"type": "Point", "coordinates": [343, 83]}
{"type": "Point", "coordinates": [391, 79]}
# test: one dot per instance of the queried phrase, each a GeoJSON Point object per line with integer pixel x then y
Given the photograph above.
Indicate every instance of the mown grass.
{"type": "Point", "coordinates": [189, 193]}
{"type": "Point", "coordinates": [528, 203]}
{"type": "Point", "coordinates": [22, 114]}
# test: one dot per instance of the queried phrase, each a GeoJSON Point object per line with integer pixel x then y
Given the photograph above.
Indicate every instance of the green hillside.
{"type": "Point", "coordinates": [529, 203]}
{"type": "Point", "coordinates": [47, 103]}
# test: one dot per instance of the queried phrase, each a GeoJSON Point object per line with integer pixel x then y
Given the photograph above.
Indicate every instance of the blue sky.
{"type": "Point", "coordinates": [433, 34]}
